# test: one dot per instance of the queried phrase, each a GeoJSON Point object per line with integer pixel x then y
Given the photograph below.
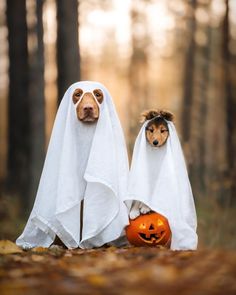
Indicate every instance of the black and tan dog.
{"type": "Point", "coordinates": [157, 133]}
{"type": "Point", "coordinates": [157, 130]}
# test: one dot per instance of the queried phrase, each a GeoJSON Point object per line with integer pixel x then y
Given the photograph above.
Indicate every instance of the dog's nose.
{"type": "Point", "coordinates": [88, 108]}
{"type": "Point", "coordinates": [155, 142]}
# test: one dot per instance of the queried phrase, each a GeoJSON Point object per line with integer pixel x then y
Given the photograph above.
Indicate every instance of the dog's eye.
{"type": "Point", "coordinates": [151, 130]}
{"type": "Point", "coordinates": [98, 95]}
{"type": "Point", "coordinates": [163, 130]}
{"type": "Point", "coordinates": [77, 94]}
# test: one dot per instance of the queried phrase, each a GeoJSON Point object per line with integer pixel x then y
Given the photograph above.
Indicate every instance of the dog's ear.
{"type": "Point", "coordinates": [167, 115]}
{"type": "Point", "coordinates": [148, 115]}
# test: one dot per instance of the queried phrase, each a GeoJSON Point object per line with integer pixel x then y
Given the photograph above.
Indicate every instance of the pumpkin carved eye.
{"type": "Point", "coordinates": [149, 230]}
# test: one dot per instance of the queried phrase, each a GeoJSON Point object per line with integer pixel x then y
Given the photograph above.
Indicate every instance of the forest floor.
{"type": "Point", "coordinates": [110, 270]}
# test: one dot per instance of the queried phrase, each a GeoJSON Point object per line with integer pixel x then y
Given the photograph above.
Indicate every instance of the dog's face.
{"type": "Point", "coordinates": [157, 132]}
{"type": "Point", "coordinates": [87, 109]}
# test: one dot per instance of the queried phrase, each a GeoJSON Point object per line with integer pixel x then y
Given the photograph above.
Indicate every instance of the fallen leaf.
{"type": "Point", "coordinates": [16, 273]}
{"type": "Point", "coordinates": [68, 254]}
{"type": "Point", "coordinates": [39, 249]}
{"type": "Point", "coordinates": [57, 250]}
{"type": "Point", "coordinates": [96, 280]}
{"type": "Point", "coordinates": [37, 258]}
{"type": "Point", "coordinates": [8, 247]}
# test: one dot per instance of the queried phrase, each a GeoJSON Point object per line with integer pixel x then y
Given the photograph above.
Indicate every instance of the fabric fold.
{"type": "Point", "coordinates": [84, 162]}
{"type": "Point", "coordinates": [159, 178]}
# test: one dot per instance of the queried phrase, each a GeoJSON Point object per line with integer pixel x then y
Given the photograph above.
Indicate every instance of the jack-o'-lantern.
{"type": "Point", "coordinates": [149, 230]}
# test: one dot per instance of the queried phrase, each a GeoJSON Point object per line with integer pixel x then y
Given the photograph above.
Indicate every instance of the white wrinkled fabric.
{"type": "Point", "coordinates": [84, 162]}
{"type": "Point", "coordinates": [159, 178]}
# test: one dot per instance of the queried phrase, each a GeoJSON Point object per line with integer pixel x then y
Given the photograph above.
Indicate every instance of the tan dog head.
{"type": "Point", "coordinates": [87, 109]}
{"type": "Point", "coordinates": [157, 130]}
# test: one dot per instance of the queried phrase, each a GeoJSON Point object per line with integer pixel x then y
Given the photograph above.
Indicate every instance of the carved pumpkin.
{"type": "Point", "coordinates": [149, 230]}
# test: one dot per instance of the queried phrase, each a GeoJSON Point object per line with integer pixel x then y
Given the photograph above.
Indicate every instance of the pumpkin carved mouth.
{"type": "Point", "coordinates": [151, 237]}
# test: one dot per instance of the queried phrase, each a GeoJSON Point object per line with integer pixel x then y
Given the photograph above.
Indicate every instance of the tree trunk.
{"type": "Point", "coordinates": [18, 102]}
{"type": "Point", "coordinates": [138, 73]}
{"type": "Point", "coordinates": [230, 103]}
{"type": "Point", "coordinates": [37, 103]}
{"type": "Point", "coordinates": [68, 59]}
{"type": "Point", "coordinates": [199, 174]}
{"type": "Point", "coordinates": [189, 79]}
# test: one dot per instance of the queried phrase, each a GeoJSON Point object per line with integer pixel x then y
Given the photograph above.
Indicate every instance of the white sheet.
{"type": "Point", "coordinates": [159, 178]}
{"type": "Point", "coordinates": [84, 161]}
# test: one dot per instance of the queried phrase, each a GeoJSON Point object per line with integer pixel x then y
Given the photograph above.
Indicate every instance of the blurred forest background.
{"type": "Point", "coordinates": [173, 54]}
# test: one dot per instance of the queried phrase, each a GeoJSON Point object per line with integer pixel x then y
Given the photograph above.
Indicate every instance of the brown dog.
{"type": "Point", "coordinates": [87, 109]}
{"type": "Point", "coordinates": [157, 130]}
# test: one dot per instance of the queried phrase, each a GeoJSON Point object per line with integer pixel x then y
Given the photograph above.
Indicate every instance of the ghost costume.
{"type": "Point", "coordinates": [84, 162]}
{"type": "Point", "coordinates": [159, 178]}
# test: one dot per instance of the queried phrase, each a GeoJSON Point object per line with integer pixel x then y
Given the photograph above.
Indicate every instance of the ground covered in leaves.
{"type": "Point", "coordinates": [111, 270]}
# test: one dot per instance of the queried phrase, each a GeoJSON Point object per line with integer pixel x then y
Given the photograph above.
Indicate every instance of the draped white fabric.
{"type": "Point", "coordinates": [84, 162]}
{"type": "Point", "coordinates": [159, 178]}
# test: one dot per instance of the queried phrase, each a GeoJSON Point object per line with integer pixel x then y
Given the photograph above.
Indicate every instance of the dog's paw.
{"type": "Point", "coordinates": [134, 214]}
{"type": "Point", "coordinates": [145, 209]}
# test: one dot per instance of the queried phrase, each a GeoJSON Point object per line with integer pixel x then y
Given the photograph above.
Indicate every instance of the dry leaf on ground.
{"type": "Point", "coordinates": [8, 247]}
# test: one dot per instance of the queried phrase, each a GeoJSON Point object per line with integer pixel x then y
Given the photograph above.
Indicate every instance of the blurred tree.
{"type": "Point", "coordinates": [200, 98]}
{"type": "Point", "coordinates": [68, 58]}
{"type": "Point", "coordinates": [189, 76]}
{"type": "Point", "coordinates": [18, 103]}
{"type": "Point", "coordinates": [138, 70]}
{"type": "Point", "coordinates": [229, 64]}
{"type": "Point", "coordinates": [36, 101]}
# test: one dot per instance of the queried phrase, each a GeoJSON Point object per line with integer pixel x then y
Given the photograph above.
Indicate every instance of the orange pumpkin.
{"type": "Point", "coordinates": [149, 230]}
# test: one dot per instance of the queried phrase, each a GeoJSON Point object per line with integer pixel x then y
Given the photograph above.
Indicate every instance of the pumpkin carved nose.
{"type": "Point", "coordinates": [151, 227]}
